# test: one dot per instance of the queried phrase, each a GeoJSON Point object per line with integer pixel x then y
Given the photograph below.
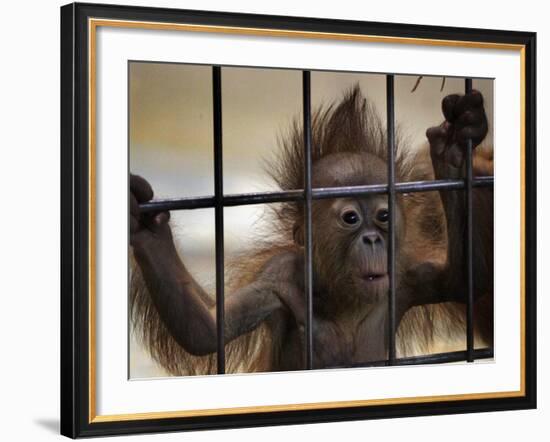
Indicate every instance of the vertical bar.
{"type": "Point", "coordinates": [469, 244]}
{"type": "Point", "coordinates": [308, 268]}
{"type": "Point", "coordinates": [218, 198]}
{"type": "Point", "coordinates": [390, 123]}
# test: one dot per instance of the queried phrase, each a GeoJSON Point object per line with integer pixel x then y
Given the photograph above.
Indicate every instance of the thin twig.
{"type": "Point", "coordinates": [420, 77]}
{"type": "Point", "coordinates": [417, 83]}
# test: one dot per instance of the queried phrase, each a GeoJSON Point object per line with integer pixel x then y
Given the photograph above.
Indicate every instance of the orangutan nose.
{"type": "Point", "coordinates": [371, 238]}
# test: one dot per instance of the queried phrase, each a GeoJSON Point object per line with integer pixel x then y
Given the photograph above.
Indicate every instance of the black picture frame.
{"type": "Point", "coordinates": [76, 418]}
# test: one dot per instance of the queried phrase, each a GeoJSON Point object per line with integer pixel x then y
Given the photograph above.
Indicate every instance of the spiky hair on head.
{"type": "Point", "coordinates": [349, 125]}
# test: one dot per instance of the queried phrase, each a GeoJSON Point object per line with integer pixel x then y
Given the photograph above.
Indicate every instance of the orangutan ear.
{"type": "Point", "coordinates": [298, 232]}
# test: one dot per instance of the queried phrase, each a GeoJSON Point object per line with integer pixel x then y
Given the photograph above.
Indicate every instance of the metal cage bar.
{"type": "Point", "coordinates": [469, 243]}
{"type": "Point", "coordinates": [230, 200]}
{"type": "Point", "coordinates": [390, 128]}
{"type": "Point", "coordinates": [435, 358]}
{"type": "Point", "coordinates": [308, 239]}
{"type": "Point", "coordinates": [218, 206]}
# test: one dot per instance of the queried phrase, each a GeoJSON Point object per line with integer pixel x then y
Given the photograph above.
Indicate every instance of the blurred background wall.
{"type": "Point", "coordinates": [171, 143]}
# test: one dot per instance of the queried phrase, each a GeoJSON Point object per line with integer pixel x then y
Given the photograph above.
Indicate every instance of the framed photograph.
{"type": "Point", "coordinates": [275, 220]}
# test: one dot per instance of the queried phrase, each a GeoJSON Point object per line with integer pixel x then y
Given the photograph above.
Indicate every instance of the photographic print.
{"type": "Point", "coordinates": [173, 280]}
{"type": "Point", "coordinates": [280, 220]}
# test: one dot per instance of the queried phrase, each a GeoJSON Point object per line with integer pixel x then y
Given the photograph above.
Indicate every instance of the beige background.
{"type": "Point", "coordinates": [171, 143]}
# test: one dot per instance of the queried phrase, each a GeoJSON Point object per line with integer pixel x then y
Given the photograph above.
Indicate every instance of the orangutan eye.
{"type": "Point", "coordinates": [382, 215]}
{"type": "Point", "coordinates": [350, 217]}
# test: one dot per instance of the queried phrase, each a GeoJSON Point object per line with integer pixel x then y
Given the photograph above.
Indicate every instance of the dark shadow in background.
{"type": "Point", "coordinates": [49, 424]}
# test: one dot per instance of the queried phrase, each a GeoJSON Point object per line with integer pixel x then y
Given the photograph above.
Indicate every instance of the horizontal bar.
{"type": "Point", "coordinates": [263, 198]}
{"type": "Point", "coordinates": [167, 204]}
{"type": "Point", "coordinates": [442, 358]}
{"type": "Point", "coordinates": [243, 199]}
{"type": "Point", "coordinates": [408, 187]}
{"type": "Point", "coordinates": [202, 202]}
{"type": "Point", "coordinates": [437, 358]}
